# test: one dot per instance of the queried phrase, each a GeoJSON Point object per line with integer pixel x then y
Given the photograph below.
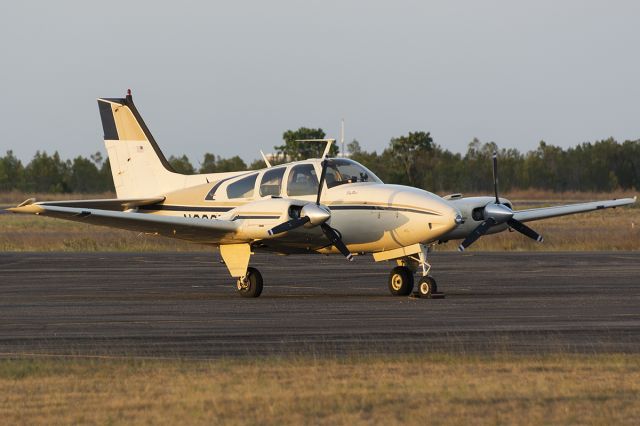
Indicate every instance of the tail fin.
{"type": "Point", "coordinates": [138, 166]}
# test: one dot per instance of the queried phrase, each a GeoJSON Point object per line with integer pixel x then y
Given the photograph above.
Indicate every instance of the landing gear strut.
{"type": "Point", "coordinates": [251, 284]}
{"type": "Point", "coordinates": [401, 277]}
{"type": "Point", "coordinates": [427, 286]}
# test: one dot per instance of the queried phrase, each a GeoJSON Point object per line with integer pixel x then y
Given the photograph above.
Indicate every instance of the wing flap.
{"type": "Point", "coordinates": [547, 212]}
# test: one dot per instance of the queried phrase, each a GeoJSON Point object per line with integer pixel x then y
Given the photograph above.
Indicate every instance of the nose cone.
{"type": "Point", "coordinates": [449, 217]}
{"type": "Point", "coordinates": [436, 215]}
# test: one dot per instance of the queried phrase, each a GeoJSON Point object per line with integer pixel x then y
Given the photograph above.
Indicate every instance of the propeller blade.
{"type": "Point", "coordinates": [477, 233]}
{"type": "Point", "coordinates": [495, 175]}
{"type": "Point", "coordinates": [335, 240]}
{"type": "Point", "coordinates": [524, 229]}
{"type": "Point", "coordinates": [323, 174]}
{"type": "Point", "coordinates": [289, 225]}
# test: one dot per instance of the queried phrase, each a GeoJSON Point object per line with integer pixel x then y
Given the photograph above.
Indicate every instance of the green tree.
{"type": "Point", "coordinates": [11, 172]}
{"type": "Point", "coordinates": [354, 148]}
{"type": "Point", "coordinates": [257, 164]}
{"type": "Point", "coordinates": [209, 163]}
{"type": "Point", "coordinates": [84, 176]}
{"type": "Point", "coordinates": [232, 164]}
{"type": "Point", "coordinates": [46, 173]}
{"type": "Point", "coordinates": [182, 165]}
{"type": "Point", "coordinates": [407, 149]}
{"type": "Point", "coordinates": [106, 177]}
{"type": "Point", "coordinates": [292, 150]}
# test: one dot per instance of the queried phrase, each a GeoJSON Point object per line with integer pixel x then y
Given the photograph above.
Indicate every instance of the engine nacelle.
{"type": "Point", "coordinates": [259, 216]}
{"type": "Point", "coordinates": [472, 210]}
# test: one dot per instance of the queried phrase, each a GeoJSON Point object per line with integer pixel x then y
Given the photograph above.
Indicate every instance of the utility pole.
{"type": "Point", "coordinates": [342, 138]}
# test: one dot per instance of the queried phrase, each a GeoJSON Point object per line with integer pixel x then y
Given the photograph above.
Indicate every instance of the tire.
{"type": "Point", "coordinates": [400, 281]}
{"type": "Point", "coordinates": [251, 286]}
{"type": "Point", "coordinates": [427, 286]}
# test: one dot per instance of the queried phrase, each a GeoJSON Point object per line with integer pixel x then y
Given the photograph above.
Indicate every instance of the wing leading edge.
{"type": "Point", "coordinates": [547, 212]}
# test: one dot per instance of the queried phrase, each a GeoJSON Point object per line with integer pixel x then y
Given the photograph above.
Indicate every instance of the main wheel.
{"type": "Point", "coordinates": [400, 281]}
{"type": "Point", "coordinates": [251, 284]}
{"type": "Point", "coordinates": [427, 286]}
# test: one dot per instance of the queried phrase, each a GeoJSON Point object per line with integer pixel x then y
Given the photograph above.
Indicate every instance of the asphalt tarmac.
{"type": "Point", "coordinates": [185, 305]}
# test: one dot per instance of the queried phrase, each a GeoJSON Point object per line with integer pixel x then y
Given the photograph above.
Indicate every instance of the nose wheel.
{"type": "Point", "coordinates": [427, 287]}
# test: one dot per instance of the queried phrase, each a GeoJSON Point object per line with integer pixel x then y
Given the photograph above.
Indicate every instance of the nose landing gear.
{"type": "Point", "coordinates": [427, 287]}
{"type": "Point", "coordinates": [401, 277]}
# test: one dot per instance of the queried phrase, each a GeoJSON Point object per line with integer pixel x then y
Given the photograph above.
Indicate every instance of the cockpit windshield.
{"type": "Point", "coordinates": [341, 171]}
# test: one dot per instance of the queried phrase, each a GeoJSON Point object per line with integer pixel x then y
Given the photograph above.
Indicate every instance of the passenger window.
{"type": "Point", "coordinates": [271, 182]}
{"type": "Point", "coordinates": [242, 188]}
{"type": "Point", "coordinates": [302, 180]}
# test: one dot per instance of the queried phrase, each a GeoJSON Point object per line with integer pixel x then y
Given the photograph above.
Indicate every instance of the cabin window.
{"type": "Point", "coordinates": [271, 182]}
{"type": "Point", "coordinates": [302, 180]}
{"type": "Point", "coordinates": [242, 188]}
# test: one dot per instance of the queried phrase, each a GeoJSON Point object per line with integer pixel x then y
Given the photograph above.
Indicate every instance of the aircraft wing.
{"type": "Point", "coordinates": [207, 231]}
{"type": "Point", "coordinates": [547, 212]}
{"type": "Point", "coordinates": [117, 204]}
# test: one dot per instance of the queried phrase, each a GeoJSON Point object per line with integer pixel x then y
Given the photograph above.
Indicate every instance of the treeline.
{"type": "Point", "coordinates": [50, 174]}
{"type": "Point", "coordinates": [414, 159]}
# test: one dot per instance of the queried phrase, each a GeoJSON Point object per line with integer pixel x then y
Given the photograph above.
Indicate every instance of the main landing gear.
{"type": "Point", "coordinates": [401, 277]}
{"type": "Point", "coordinates": [236, 258]}
{"type": "Point", "coordinates": [251, 284]}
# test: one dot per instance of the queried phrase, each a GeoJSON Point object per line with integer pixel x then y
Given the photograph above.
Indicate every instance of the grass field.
{"type": "Point", "coordinates": [427, 389]}
{"type": "Point", "coordinates": [614, 229]}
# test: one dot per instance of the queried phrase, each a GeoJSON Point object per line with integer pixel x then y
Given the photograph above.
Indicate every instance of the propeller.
{"type": "Point", "coordinates": [317, 215]}
{"type": "Point", "coordinates": [496, 214]}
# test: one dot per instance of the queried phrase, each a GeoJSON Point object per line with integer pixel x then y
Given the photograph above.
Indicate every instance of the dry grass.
{"type": "Point", "coordinates": [425, 389]}
{"type": "Point", "coordinates": [614, 229]}
{"type": "Point", "coordinates": [568, 196]}
{"type": "Point", "coordinates": [33, 233]}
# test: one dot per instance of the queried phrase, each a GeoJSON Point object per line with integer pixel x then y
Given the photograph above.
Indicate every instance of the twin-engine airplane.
{"type": "Point", "coordinates": [326, 206]}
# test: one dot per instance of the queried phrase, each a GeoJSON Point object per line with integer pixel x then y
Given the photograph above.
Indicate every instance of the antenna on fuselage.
{"type": "Point", "coordinates": [264, 157]}
{"type": "Point", "coordinates": [326, 149]}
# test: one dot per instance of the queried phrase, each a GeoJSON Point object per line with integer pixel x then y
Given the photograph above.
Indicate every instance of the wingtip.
{"type": "Point", "coordinates": [540, 239]}
{"type": "Point", "coordinates": [350, 257]}
{"type": "Point", "coordinates": [460, 248]}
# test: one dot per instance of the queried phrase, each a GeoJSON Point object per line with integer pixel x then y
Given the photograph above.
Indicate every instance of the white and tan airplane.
{"type": "Point", "coordinates": [315, 206]}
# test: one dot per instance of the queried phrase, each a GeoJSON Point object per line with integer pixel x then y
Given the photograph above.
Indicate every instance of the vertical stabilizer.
{"type": "Point", "coordinates": [138, 166]}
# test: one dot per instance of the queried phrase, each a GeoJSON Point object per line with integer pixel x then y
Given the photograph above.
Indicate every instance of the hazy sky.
{"type": "Point", "coordinates": [230, 77]}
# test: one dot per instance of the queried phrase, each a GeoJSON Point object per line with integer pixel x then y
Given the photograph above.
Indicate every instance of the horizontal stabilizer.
{"type": "Point", "coordinates": [210, 231]}
{"type": "Point", "coordinates": [113, 204]}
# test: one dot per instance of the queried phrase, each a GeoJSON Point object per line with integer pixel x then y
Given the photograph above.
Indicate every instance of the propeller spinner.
{"type": "Point", "coordinates": [316, 215]}
{"type": "Point", "coordinates": [496, 214]}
